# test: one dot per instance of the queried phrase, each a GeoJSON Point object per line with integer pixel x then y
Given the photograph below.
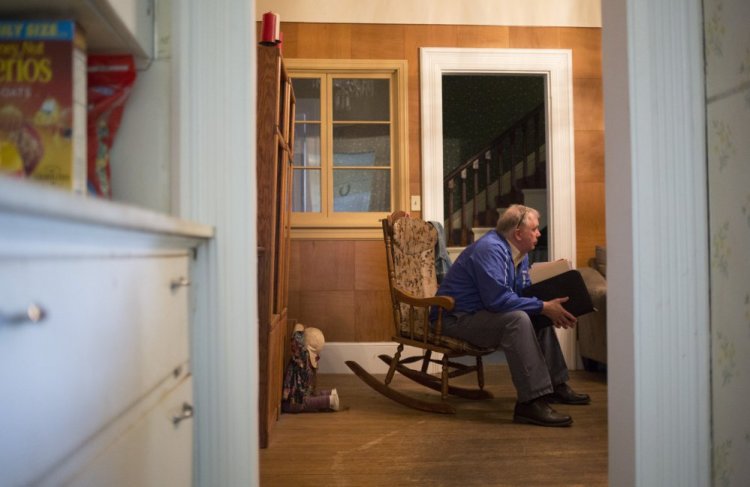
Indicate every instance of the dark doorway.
{"type": "Point", "coordinates": [494, 150]}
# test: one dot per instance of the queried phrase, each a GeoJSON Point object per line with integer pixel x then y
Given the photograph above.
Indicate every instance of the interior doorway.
{"type": "Point", "coordinates": [555, 66]}
{"type": "Point", "coordinates": [494, 152]}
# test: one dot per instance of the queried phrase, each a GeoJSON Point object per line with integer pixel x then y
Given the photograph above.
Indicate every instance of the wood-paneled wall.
{"type": "Point", "coordinates": [340, 286]}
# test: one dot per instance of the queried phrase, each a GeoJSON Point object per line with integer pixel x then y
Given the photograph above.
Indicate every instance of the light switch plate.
{"type": "Point", "coordinates": [416, 202]}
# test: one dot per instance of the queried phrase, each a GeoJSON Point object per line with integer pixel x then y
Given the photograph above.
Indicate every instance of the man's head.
{"type": "Point", "coordinates": [519, 225]}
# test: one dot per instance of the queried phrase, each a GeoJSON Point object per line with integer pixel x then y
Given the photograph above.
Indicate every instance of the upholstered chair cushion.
{"type": "Point", "coordinates": [592, 327]}
{"type": "Point", "coordinates": [600, 260]}
{"type": "Point", "coordinates": [414, 256]}
{"type": "Point", "coordinates": [414, 264]}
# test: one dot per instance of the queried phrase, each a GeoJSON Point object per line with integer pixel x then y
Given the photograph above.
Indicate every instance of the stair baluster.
{"type": "Point", "coordinates": [475, 206]}
{"type": "Point", "coordinates": [525, 144]}
{"type": "Point", "coordinates": [500, 158]}
{"type": "Point", "coordinates": [540, 174]}
{"type": "Point", "coordinates": [513, 164]}
{"type": "Point", "coordinates": [487, 179]}
{"type": "Point", "coordinates": [464, 227]}
{"type": "Point", "coordinates": [449, 224]}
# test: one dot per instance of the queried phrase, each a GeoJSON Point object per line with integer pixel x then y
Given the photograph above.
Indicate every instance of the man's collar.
{"type": "Point", "coordinates": [516, 254]}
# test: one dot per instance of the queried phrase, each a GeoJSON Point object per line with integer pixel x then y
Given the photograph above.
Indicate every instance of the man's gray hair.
{"type": "Point", "coordinates": [513, 217]}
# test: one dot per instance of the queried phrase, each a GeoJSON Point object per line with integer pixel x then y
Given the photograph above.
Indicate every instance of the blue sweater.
{"type": "Point", "coordinates": [484, 277]}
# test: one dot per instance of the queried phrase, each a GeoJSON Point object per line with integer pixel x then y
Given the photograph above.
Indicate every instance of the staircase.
{"type": "Point", "coordinates": [495, 177]}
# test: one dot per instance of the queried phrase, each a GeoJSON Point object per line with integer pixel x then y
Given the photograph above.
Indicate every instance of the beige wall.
{"type": "Point", "coordinates": [340, 286]}
{"type": "Point", "coordinates": [558, 13]}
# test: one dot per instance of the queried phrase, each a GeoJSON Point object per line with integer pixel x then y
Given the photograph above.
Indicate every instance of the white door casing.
{"type": "Point", "coordinates": [556, 66]}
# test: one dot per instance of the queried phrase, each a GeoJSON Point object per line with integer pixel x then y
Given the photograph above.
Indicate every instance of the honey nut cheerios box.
{"type": "Point", "coordinates": [43, 102]}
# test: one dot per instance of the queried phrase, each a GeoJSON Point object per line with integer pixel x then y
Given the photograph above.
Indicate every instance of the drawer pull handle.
{"type": "Point", "coordinates": [179, 282]}
{"type": "Point", "coordinates": [186, 413]}
{"type": "Point", "coordinates": [32, 314]}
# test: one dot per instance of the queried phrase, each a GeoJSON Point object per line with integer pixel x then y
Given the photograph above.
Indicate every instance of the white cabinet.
{"type": "Point", "coordinates": [202, 136]}
{"type": "Point", "coordinates": [154, 451]}
{"type": "Point", "coordinates": [110, 356]}
{"type": "Point", "coordinates": [110, 25]}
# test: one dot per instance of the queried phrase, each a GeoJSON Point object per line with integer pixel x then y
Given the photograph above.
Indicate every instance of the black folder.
{"type": "Point", "coordinates": [568, 284]}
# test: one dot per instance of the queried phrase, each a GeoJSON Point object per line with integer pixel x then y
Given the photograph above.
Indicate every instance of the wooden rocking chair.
{"type": "Point", "coordinates": [410, 253]}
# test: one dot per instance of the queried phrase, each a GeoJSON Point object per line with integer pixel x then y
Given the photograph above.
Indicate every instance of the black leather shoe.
{"type": "Point", "coordinates": [566, 395]}
{"type": "Point", "coordinates": [538, 412]}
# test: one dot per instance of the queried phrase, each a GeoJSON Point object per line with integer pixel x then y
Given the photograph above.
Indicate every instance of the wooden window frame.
{"type": "Point", "coordinates": [358, 225]}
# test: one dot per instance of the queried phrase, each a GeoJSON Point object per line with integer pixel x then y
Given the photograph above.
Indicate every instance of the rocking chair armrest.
{"type": "Point", "coordinates": [445, 302]}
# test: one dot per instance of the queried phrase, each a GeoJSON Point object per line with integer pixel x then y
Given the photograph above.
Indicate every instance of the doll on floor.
{"type": "Point", "coordinates": [299, 394]}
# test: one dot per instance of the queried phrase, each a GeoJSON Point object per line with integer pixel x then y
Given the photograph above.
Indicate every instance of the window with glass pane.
{"type": "Point", "coordinates": [306, 196]}
{"type": "Point", "coordinates": [361, 145]}
{"type": "Point", "coordinates": [361, 99]}
{"type": "Point", "coordinates": [349, 143]}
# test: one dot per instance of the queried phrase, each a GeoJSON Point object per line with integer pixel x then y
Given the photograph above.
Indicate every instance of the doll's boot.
{"type": "Point", "coordinates": [334, 400]}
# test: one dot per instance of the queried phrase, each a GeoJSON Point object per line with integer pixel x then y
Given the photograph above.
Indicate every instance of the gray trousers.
{"type": "Point", "coordinates": [535, 359]}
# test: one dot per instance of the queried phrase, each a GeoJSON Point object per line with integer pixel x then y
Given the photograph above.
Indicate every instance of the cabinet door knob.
{"type": "Point", "coordinates": [179, 282]}
{"type": "Point", "coordinates": [186, 413]}
{"type": "Point", "coordinates": [32, 314]}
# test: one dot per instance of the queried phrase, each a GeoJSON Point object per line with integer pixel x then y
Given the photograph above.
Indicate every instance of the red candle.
{"type": "Point", "coordinates": [270, 29]}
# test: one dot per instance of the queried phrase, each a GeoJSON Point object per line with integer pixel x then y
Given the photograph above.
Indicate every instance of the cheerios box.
{"type": "Point", "coordinates": [43, 102]}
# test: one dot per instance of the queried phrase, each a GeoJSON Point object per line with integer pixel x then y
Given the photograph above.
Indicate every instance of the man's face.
{"type": "Point", "coordinates": [527, 234]}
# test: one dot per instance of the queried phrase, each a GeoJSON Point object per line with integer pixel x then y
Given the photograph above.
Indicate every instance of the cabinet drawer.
{"type": "Point", "coordinates": [114, 330]}
{"type": "Point", "coordinates": [156, 451]}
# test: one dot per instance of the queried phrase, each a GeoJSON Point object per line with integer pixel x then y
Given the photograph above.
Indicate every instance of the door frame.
{"type": "Point", "coordinates": [556, 66]}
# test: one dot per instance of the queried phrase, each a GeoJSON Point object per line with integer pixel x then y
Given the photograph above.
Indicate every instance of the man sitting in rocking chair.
{"type": "Point", "coordinates": [485, 282]}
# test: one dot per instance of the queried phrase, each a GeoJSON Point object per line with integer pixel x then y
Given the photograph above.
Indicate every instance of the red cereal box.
{"type": "Point", "coordinates": [43, 102]}
{"type": "Point", "coordinates": [110, 79]}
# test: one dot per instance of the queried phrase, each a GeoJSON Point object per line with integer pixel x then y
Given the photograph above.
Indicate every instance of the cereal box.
{"type": "Point", "coordinates": [43, 102]}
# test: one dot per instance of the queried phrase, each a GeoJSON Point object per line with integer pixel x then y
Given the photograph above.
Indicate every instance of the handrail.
{"type": "Point", "coordinates": [503, 147]}
{"type": "Point", "coordinates": [494, 143]}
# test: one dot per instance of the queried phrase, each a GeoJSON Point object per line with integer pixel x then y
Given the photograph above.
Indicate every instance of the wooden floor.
{"type": "Point", "coordinates": [377, 442]}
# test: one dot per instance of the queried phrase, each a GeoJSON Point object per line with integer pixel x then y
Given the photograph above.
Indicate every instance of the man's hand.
{"type": "Point", "coordinates": [561, 318]}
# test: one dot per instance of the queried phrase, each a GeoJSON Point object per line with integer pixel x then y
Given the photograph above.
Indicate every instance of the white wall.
{"type": "Point", "coordinates": [142, 162]}
{"type": "Point", "coordinates": [141, 155]}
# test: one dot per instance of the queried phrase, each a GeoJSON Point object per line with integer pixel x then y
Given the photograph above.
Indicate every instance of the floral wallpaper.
{"type": "Point", "coordinates": [727, 53]}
